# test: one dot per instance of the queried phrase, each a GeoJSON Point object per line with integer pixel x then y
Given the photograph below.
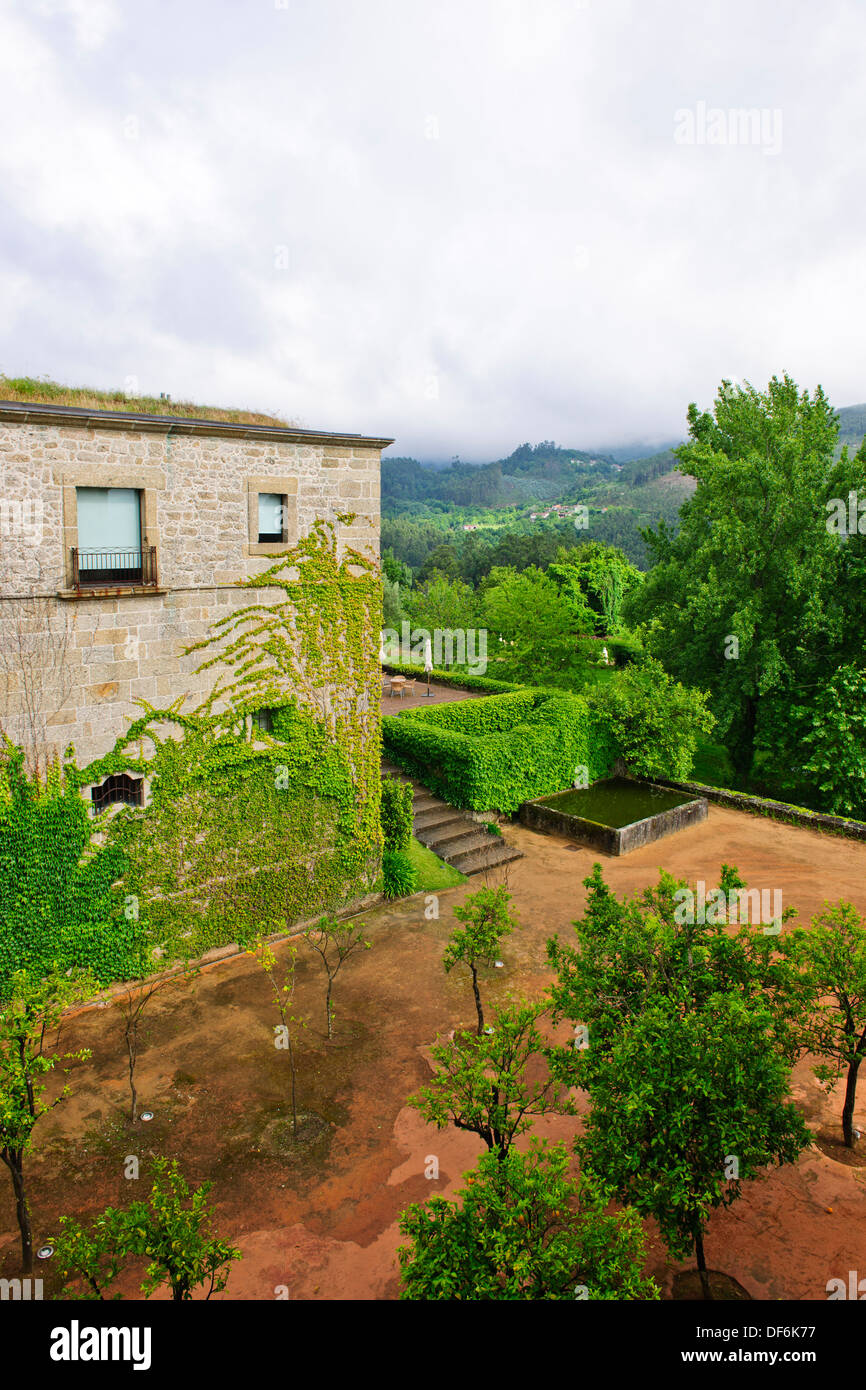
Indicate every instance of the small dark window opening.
{"type": "Point", "coordinates": [118, 789]}
{"type": "Point", "coordinates": [264, 719]}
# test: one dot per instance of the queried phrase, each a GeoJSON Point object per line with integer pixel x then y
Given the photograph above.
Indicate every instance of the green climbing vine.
{"type": "Point", "coordinates": [247, 829]}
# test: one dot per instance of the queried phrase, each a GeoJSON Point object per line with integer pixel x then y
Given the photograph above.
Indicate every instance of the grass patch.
{"type": "Point", "coordinates": [41, 391]}
{"type": "Point", "coordinates": [433, 875]}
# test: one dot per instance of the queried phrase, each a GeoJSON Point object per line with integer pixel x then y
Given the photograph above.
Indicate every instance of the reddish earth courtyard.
{"type": "Point", "coordinates": [323, 1225]}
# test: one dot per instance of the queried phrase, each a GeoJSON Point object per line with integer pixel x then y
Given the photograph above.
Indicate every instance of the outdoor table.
{"type": "Point", "coordinates": [397, 682]}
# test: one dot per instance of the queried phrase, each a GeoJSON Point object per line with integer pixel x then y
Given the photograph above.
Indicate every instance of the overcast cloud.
{"type": "Point", "coordinates": [464, 224]}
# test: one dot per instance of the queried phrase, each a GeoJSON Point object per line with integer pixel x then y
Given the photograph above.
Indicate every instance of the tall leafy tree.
{"type": "Point", "coordinates": [737, 600]}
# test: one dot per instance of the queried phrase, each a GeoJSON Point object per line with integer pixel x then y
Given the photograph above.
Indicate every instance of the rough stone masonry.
{"type": "Point", "coordinates": [73, 662]}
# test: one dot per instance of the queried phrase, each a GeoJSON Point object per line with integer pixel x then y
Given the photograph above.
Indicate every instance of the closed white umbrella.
{"type": "Point", "coordinates": [428, 661]}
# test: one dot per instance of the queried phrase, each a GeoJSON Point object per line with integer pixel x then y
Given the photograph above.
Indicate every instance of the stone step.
{"type": "Point", "coordinates": [446, 832]}
{"type": "Point", "coordinates": [431, 816]}
{"type": "Point", "coordinates": [422, 804]}
{"type": "Point", "coordinates": [461, 844]}
{"type": "Point", "coordinates": [476, 861]}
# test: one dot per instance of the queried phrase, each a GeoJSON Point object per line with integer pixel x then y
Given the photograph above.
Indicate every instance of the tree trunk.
{"type": "Point", "coordinates": [848, 1108]}
{"type": "Point", "coordinates": [133, 1114]}
{"type": "Point", "coordinates": [477, 994]}
{"type": "Point", "coordinates": [742, 744]}
{"type": "Point", "coordinates": [702, 1265]}
{"type": "Point", "coordinates": [15, 1164]}
{"type": "Point", "coordinates": [294, 1103]}
{"type": "Point", "coordinates": [328, 1004]}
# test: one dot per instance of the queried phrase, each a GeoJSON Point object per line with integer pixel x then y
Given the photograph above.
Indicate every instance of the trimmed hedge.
{"type": "Point", "coordinates": [491, 755]}
{"type": "Point", "coordinates": [456, 679]}
{"type": "Point", "coordinates": [396, 814]}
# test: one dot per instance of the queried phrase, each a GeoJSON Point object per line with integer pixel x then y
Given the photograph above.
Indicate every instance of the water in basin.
{"type": "Point", "coordinates": [615, 802]}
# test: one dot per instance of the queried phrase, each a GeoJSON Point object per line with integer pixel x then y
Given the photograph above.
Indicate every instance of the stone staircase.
{"type": "Point", "coordinates": [452, 836]}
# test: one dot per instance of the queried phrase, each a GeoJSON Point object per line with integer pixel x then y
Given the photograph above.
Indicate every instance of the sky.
{"type": "Point", "coordinates": [464, 225]}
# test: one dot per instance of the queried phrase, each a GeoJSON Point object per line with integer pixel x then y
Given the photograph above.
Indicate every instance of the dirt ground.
{"type": "Point", "coordinates": [324, 1226]}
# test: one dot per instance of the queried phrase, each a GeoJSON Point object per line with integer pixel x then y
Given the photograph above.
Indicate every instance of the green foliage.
{"type": "Point", "coordinates": [681, 1093]}
{"type": "Point", "coordinates": [29, 1015]}
{"type": "Point", "coordinates": [172, 1229]}
{"type": "Point", "coordinates": [399, 875]}
{"type": "Point", "coordinates": [461, 679]}
{"type": "Point", "coordinates": [522, 1229]}
{"type": "Point", "coordinates": [832, 732]}
{"type": "Point", "coordinates": [487, 921]}
{"type": "Point", "coordinates": [753, 558]}
{"type": "Point", "coordinates": [630, 950]}
{"type": "Point", "coordinates": [443, 602]}
{"type": "Point", "coordinates": [480, 1082]}
{"type": "Point", "coordinates": [494, 754]}
{"type": "Point", "coordinates": [655, 721]}
{"type": "Point", "coordinates": [58, 909]}
{"type": "Point", "coordinates": [831, 959]}
{"type": "Point", "coordinates": [396, 813]}
{"type": "Point", "coordinates": [687, 1031]}
{"type": "Point", "coordinates": [598, 576]}
{"type": "Point", "coordinates": [535, 624]}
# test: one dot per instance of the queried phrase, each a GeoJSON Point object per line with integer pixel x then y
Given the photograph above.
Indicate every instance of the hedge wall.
{"type": "Point", "coordinates": [491, 755]}
{"type": "Point", "coordinates": [457, 679]}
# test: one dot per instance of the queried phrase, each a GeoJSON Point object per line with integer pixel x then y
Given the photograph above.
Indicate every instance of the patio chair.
{"type": "Point", "coordinates": [407, 689]}
{"type": "Point", "coordinates": [386, 685]}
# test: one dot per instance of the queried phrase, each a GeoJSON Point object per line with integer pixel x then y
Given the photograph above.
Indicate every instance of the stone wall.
{"type": "Point", "coordinates": [75, 665]}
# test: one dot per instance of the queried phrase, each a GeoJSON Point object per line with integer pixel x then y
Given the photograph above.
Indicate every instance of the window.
{"type": "Point", "coordinates": [120, 789]}
{"type": "Point", "coordinates": [264, 719]}
{"type": "Point", "coordinates": [272, 512]}
{"type": "Point", "coordinates": [272, 518]}
{"type": "Point", "coordinates": [109, 549]}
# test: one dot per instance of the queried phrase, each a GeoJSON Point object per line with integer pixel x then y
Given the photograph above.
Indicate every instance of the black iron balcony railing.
{"type": "Point", "coordinates": [114, 569]}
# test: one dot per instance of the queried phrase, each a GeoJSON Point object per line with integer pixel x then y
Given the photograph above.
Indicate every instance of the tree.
{"type": "Point", "coordinates": [741, 599]}
{"type": "Point", "coordinates": [444, 603]}
{"type": "Point", "coordinates": [283, 986]}
{"type": "Point", "coordinates": [536, 624]}
{"type": "Point", "coordinates": [477, 943]}
{"type": "Point", "coordinates": [656, 721]}
{"type": "Point", "coordinates": [832, 958]}
{"type": "Point", "coordinates": [599, 576]}
{"type": "Point", "coordinates": [28, 1015]}
{"type": "Point", "coordinates": [480, 1084]}
{"type": "Point", "coordinates": [522, 1229]}
{"type": "Point", "coordinates": [832, 741]}
{"type": "Point", "coordinates": [334, 942]}
{"type": "Point", "coordinates": [93, 1256]}
{"type": "Point", "coordinates": [172, 1229]}
{"type": "Point", "coordinates": [178, 1238]}
{"type": "Point", "coordinates": [665, 944]}
{"type": "Point", "coordinates": [685, 1105]}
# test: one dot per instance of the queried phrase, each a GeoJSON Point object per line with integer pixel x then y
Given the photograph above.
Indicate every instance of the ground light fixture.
{"type": "Point", "coordinates": [146, 1115]}
{"type": "Point", "coordinates": [45, 1252]}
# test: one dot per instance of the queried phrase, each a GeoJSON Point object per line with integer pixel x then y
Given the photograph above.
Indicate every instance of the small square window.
{"type": "Point", "coordinates": [264, 719]}
{"type": "Point", "coordinates": [273, 524]}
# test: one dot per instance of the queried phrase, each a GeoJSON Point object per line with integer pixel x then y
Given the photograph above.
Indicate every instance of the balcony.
{"type": "Point", "coordinates": [114, 569]}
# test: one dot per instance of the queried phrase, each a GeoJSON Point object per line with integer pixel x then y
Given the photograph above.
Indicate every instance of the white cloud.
{"type": "Point", "coordinates": [551, 258]}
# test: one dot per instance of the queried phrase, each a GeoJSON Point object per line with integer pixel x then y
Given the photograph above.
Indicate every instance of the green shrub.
{"type": "Point", "coordinates": [455, 679]}
{"type": "Point", "coordinates": [654, 720]}
{"type": "Point", "coordinates": [494, 754]}
{"type": "Point", "coordinates": [399, 875]}
{"type": "Point", "coordinates": [396, 813]}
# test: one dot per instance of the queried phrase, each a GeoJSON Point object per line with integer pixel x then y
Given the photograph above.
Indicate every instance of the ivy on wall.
{"type": "Point", "coordinates": [245, 831]}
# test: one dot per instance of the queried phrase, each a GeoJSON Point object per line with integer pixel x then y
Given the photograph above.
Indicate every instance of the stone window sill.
{"type": "Point", "coordinates": [118, 591]}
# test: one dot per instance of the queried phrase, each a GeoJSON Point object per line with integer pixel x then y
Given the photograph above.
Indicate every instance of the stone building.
{"type": "Point", "coordinates": [124, 536]}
